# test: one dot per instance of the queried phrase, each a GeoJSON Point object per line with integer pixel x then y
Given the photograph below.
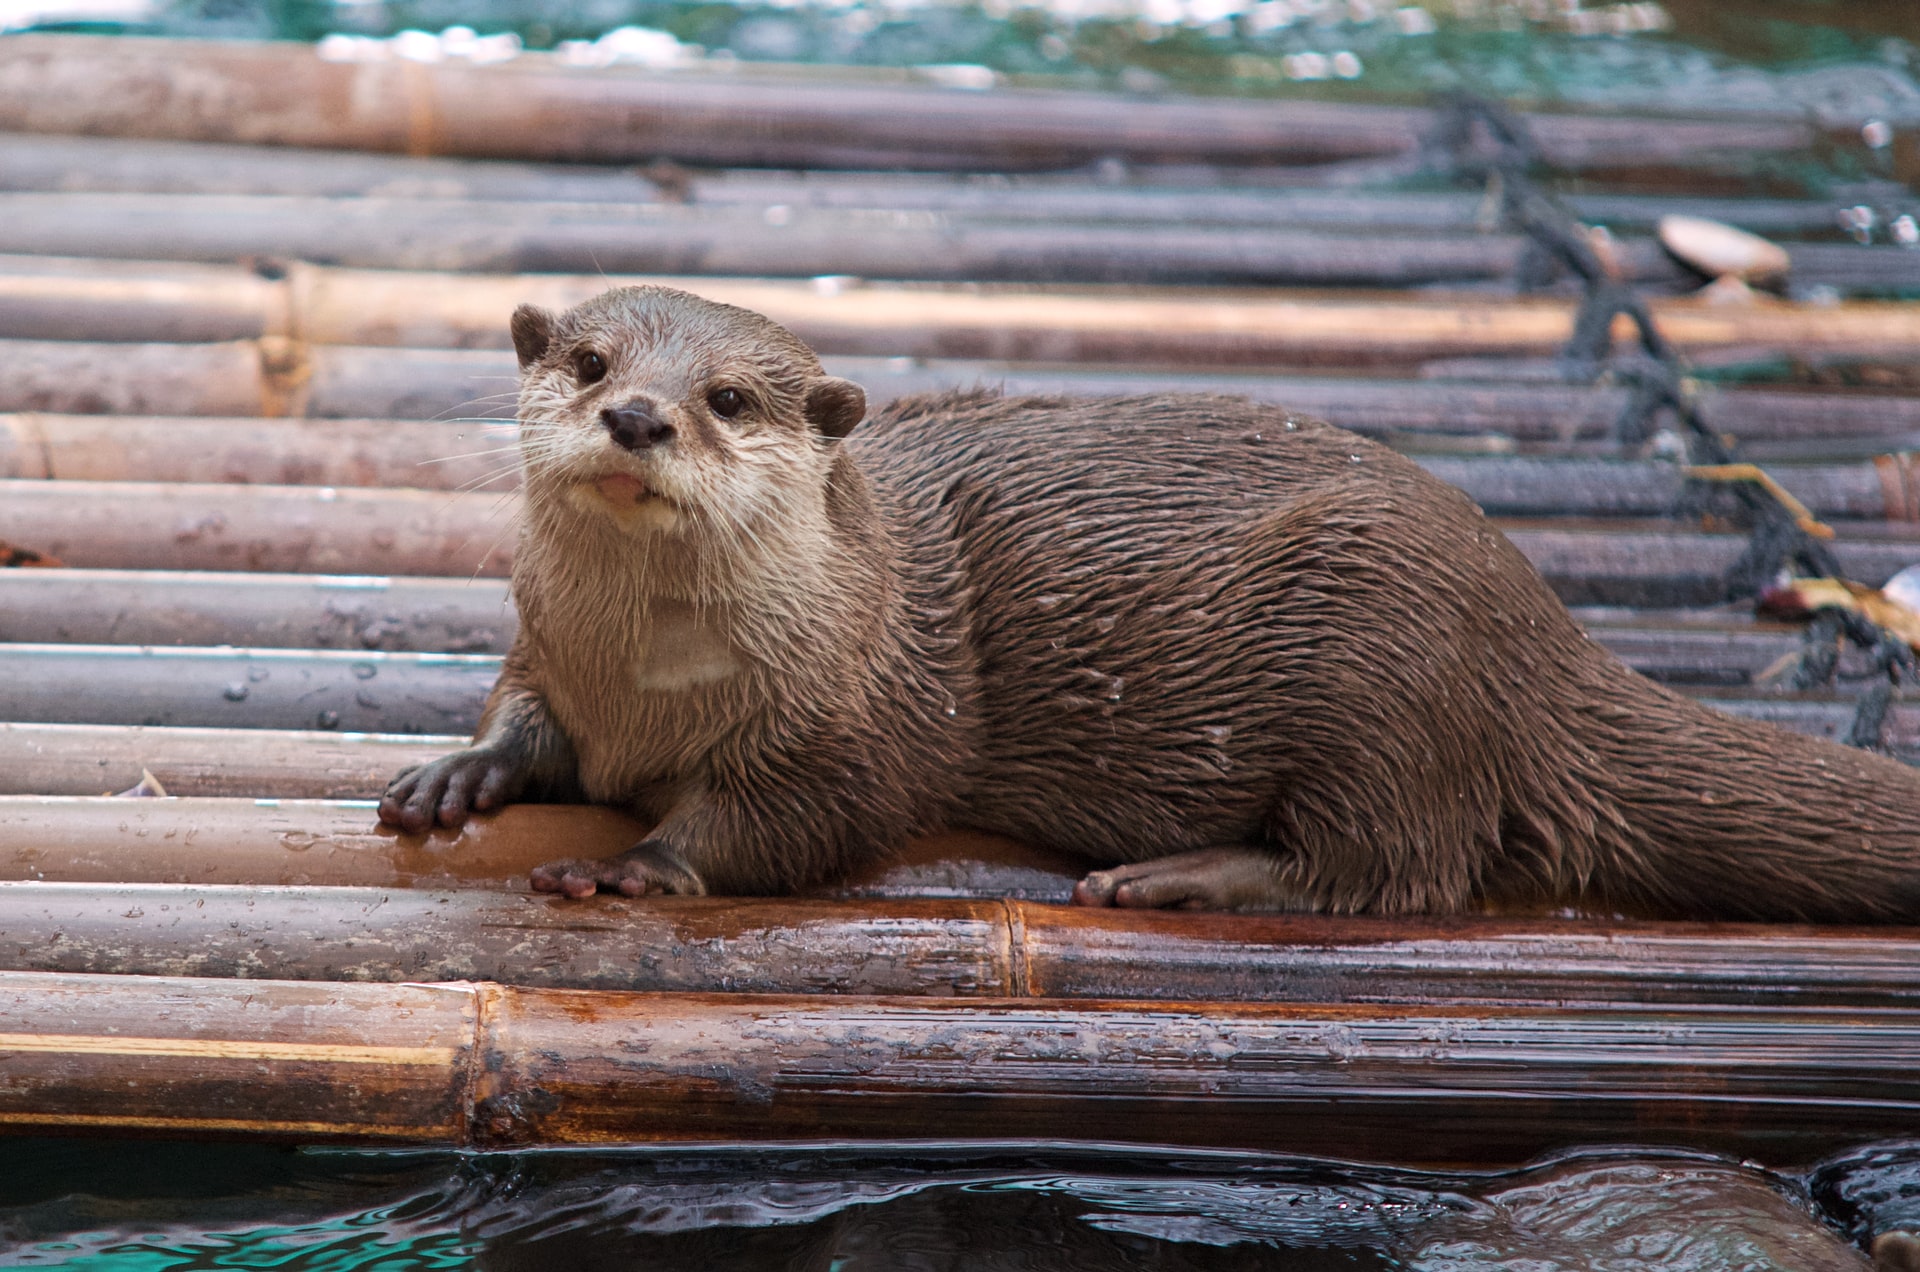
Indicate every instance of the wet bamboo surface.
{"type": "Point", "coordinates": [283, 569]}
{"type": "Point", "coordinates": [317, 842]}
{"type": "Point", "coordinates": [273, 611]}
{"type": "Point", "coordinates": [88, 759]}
{"type": "Point", "coordinates": [491, 1066]}
{"type": "Point", "coordinates": [283, 94]}
{"type": "Point", "coordinates": [970, 948]}
{"type": "Point", "coordinates": [76, 299]}
{"type": "Point", "coordinates": [328, 690]}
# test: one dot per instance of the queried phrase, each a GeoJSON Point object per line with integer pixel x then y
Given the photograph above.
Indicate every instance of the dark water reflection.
{"type": "Point", "coordinates": [150, 1206]}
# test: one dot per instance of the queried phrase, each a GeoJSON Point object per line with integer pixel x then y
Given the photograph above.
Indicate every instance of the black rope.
{"type": "Point", "coordinates": [1481, 140]}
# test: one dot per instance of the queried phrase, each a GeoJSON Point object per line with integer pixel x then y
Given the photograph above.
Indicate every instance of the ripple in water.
{"type": "Point", "coordinates": [117, 1207]}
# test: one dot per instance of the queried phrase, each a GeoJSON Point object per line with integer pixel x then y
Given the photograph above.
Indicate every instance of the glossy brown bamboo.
{"type": "Point", "coordinates": [118, 166]}
{"type": "Point", "coordinates": [491, 1066]}
{"type": "Point", "coordinates": [78, 840]}
{"type": "Point", "coordinates": [283, 94]}
{"type": "Point", "coordinates": [1170, 326]}
{"type": "Point", "coordinates": [96, 759]}
{"type": "Point", "coordinates": [955, 947]}
{"type": "Point", "coordinates": [271, 611]}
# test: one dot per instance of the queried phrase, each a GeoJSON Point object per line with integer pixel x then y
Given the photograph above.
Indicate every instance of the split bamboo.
{"type": "Point", "coordinates": [485, 1065]}
{"type": "Point", "coordinates": [111, 165]}
{"type": "Point", "coordinates": [985, 947]}
{"type": "Point", "coordinates": [271, 611]}
{"type": "Point", "coordinates": [91, 300]}
{"type": "Point", "coordinates": [289, 842]}
{"type": "Point", "coordinates": [93, 759]}
{"type": "Point", "coordinates": [534, 108]}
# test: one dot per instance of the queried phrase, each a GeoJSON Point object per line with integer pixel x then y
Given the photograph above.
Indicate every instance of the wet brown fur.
{"type": "Point", "coordinates": [1129, 628]}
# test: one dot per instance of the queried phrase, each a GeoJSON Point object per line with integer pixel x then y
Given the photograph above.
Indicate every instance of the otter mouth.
{"type": "Point", "coordinates": [623, 490]}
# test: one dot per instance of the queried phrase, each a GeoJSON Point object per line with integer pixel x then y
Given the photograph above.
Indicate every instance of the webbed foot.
{"type": "Point", "coordinates": [649, 868]}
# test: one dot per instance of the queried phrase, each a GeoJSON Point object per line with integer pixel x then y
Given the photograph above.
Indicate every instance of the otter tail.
{"type": "Point", "coordinates": [1692, 812]}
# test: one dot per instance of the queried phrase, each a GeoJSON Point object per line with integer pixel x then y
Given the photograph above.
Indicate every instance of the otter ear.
{"type": "Point", "coordinates": [834, 405]}
{"type": "Point", "coordinates": [532, 332]}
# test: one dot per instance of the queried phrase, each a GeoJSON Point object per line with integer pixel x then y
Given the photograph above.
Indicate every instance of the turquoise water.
{"type": "Point", "coordinates": [151, 1206]}
{"type": "Point", "coordinates": [1845, 58]}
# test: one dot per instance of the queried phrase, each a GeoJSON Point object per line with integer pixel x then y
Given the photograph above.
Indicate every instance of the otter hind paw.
{"type": "Point", "coordinates": [649, 868]}
{"type": "Point", "coordinates": [446, 790]}
{"type": "Point", "coordinates": [1211, 879]}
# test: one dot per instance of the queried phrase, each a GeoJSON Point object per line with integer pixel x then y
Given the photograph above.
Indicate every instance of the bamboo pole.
{"type": "Point", "coordinates": [428, 455]}
{"type": "Point", "coordinates": [111, 165]}
{"type": "Point", "coordinates": [947, 948]}
{"type": "Point", "coordinates": [347, 382]}
{"type": "Point", "coordinates": [272, 529]}
{"type": "Point", "coordinates": [93, 759]}
{"type": "Point", "coordinates": [289, 842]}
{"type": "Point", "coordinates": [283, 94]}
{"type": "Point", "coordinates": [363, 691]}
{"type": "Point", "coordinates": [466, 457]}
{"type": "Point", "coordinates": [254, 611]}
{"type": "Point", "coordinates": [284, 611]}
{"type": "Point", "coordinates": [416, 233]}
{"type": "Point", "coordinates": [506, 237]}
{"type": "Point", "coordinates": [316, 305]}
{"type": "Point", "coordinates": [293, 529]}
{"type": "Point", "coordinates": [485, 1065]}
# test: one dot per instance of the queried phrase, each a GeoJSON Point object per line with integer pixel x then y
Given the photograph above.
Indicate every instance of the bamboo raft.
{"type": "Point", "coordinates": [270, 575]}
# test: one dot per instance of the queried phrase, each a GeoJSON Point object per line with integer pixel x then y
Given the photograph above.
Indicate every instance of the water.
{"type": "Point", "coordinates": [153, 1206]}
{"type": "Point", "coordinates": [1850, 61]}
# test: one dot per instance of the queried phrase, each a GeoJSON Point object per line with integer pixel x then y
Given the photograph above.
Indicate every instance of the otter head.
{"type": "Point", "coordinates": [666, 414]}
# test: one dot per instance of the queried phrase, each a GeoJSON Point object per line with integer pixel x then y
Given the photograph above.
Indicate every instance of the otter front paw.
{"type": "Point", "coordinates": [1212, 879]}
{"type": "Point", "coordinates": [445, 790]}
{"type": "Point", "coordinates": [648, 868]}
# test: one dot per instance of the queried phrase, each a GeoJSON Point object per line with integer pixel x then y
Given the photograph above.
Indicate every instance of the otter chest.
{"type": "Point", "coordinates": [641, 695]}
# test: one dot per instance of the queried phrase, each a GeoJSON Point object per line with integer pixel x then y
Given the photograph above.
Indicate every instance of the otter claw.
{"type": "Point", "coordinates": [446, 790]}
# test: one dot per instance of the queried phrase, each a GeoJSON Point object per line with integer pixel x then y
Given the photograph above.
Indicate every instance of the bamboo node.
{"type": "Point", "coordinates": [285, 373]}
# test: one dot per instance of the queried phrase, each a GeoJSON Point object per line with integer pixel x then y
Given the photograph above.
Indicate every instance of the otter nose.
{"type": "Point", "coordinates": [635, 427]}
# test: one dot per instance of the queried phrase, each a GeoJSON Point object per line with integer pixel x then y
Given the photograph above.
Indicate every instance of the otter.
{"type": "Point", "coordinates": [1234, 657]}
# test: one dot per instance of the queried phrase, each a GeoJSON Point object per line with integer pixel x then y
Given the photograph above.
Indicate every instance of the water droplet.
{"type": "Point", "coordinates": [1106, 623]}
{"type": "Point", "coordinates": [1218, 732]}
{"type": "Point", "coordinates": [235, 692]}
{"type": "Point", "coordinates": [1291, 426]}
{"type": "Point", "coordinates": [1051, 601]}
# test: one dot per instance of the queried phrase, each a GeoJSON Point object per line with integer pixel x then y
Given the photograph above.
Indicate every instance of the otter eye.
{"type": "Point", "coordinates": [590, 367]}
{"type": "Point", "coordinates": [726, 403]}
